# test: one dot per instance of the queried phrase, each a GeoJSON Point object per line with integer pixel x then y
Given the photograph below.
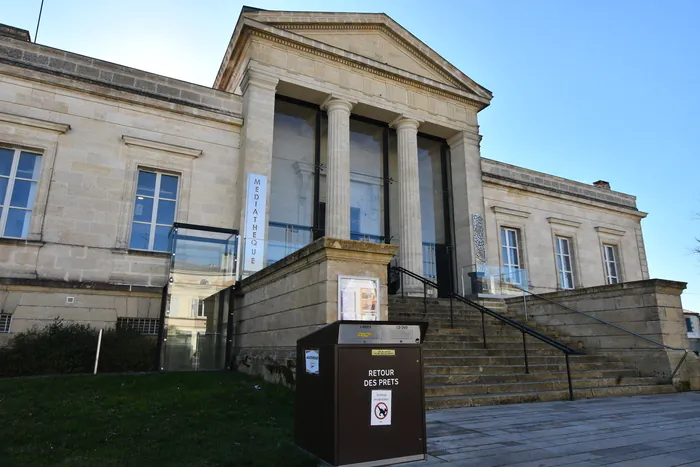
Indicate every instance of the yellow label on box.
{"type": "Point", "coordinates": [364, 334]}
{"type": "Point", "coordinates": [386, 352]}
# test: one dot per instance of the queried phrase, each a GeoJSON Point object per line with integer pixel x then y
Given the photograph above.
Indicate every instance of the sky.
{"type": "Point", "coordinates": [586, 90]}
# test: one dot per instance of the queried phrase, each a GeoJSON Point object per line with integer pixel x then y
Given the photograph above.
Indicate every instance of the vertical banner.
{"type": "Point", "coordinates": [255, 223]}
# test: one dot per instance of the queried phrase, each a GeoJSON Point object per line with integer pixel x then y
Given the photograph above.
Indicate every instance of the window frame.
{"type": "Point", "coordinates": [5, 323]}
{"type": "Point", "coordinates": [153, 223]}
{"type": "Point", "coordinates": [559, 255]}
{"type": "Point", "coordinates": [616, 261]}
{"type": "Point", "coordinates": [5, 205]}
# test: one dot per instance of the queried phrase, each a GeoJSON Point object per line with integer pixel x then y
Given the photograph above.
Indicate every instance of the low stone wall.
{"type": "Point", "coordinates": [651, 308]}
{"type": "Point", "coordinates": [295, 296]}
{"type": "Point", "coordinates": [37, 303]}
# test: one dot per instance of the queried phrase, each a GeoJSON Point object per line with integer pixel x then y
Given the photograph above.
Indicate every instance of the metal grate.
{"type": "Point", "coordinates": [5, 321]}
{"type": "Point", "coordinates": [147, 326]}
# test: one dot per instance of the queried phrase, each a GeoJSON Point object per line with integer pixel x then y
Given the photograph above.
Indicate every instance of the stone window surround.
{"type": "Point", "coordinates": [148, 155]}
{"type": "Point", "coordinates": [509, 218]}
{"type": "Point", "coordinates": [566, 229]}
{"type": "Point", "coordinates": [612, 237]}
{"type": "Point", "coordinates": [41, 137]}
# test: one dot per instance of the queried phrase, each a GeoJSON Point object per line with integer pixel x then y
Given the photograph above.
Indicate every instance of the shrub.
{"type": "Point", "coordinates": [70, 348]}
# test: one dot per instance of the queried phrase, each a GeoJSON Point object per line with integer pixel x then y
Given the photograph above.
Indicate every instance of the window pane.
{"type": "Point", "coordinates": [3, 189]}
{"type": "Point", "coordinates": [503, 237]}
{"type": "Point", "coordinates": [17, 223]}
{"type": "Point", "coordinates": [168, 187]}
{"type": "Point", "coordinates": [565, 246]}
{"type": "Point", "coordinates": [161, 241]}
{"type": "Point", "coordinates": [28, 166]}
{"type": "Point", "coordinates": [560, 265]}
{"type": "Point", "coordinates": [23, 194]}
{"type": "Point", "coordinates": [6, 156]}
{"type": "Point", "coordinates": [512, 238]}
{"type": "Point", "coordinates": [613, 269]}
{"type": "Point", "coordinates": [166, 212]}
{"type": "Point", "coordinates": [567, 263]}
{"type": "Point", "coordinates": [146, 184]}
{"type": "Point", "coordinates": [140, 234]}
{"type": "Point", "coordinates": [366, 176]}
{"type": "Point", "coordinates": [143, 209]}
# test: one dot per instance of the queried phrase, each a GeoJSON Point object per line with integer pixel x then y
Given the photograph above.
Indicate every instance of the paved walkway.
{"type": "Point", "coordinates": [640, 431]}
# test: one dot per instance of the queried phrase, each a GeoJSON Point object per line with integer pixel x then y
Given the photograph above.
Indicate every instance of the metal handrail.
{"type": "Point", "coordinates": [660, 344]}
{"type": "Point", "coordinates": [485, 311]}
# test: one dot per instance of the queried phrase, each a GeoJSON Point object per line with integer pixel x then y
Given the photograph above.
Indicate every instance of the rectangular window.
{"type": "Point", "coordinates": [689, 325]}
{"type": "Point", "coordinates": [5, 321]}
{"type": "Point", "coordinates": [612, 274]}
{"type": "Point", "coordinates": [565, 263]}
{"type": "Point", "coordinates": [146, 326]}
{"type": "Point", "coordinates": [154, 211]}
{"type": "Point", "coordinates": [19, 179]}
{"type": "Point", "coordinates": [197, 308]}
{"type": "Point", "coordinates": [510, 252]}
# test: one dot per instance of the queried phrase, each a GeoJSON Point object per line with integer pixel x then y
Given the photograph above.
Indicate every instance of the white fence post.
{"type": "Point", "coordinates": [97, 354]}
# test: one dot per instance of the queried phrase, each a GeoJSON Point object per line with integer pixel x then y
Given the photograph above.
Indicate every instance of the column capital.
{"type": "Point", "coordinates": [463, 137]}
{"type": "Point", "coordinates": [405, 122]}
{"type": "Point", "coordinates": [260, 79]}
{"type": "Point", "coordinates": [337, 103]}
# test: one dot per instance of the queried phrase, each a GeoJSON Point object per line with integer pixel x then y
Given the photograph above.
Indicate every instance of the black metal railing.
{"type": "Point", "coordinates": [620, 328]}
{"type": "Point", "coordinates": [524, 330]}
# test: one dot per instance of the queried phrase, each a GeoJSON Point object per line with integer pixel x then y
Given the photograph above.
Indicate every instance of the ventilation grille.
{"type": "Point", "coordinates": [5, 321]}
{"type": "Point", "coordinates": [147, 326]}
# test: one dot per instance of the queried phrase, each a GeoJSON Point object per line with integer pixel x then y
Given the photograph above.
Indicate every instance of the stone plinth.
{"type": "Point", "coordinates": [295, 296]}
{"type": "Point", "coordinates": [651, 308]}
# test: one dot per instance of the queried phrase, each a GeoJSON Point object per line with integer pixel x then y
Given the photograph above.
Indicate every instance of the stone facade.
{"type": "Point", "coordinates": [96, 124]}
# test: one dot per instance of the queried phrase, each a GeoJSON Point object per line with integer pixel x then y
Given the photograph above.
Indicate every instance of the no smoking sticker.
{"type": "Point", "coordinates": [380, 408]}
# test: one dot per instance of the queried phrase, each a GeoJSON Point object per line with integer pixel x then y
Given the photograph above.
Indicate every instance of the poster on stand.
{"type": "Point", "coordinates": [358, 298]}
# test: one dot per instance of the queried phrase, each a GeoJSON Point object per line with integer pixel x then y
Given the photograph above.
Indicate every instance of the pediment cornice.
{"type": "Point", "coordinates": [284, 35]}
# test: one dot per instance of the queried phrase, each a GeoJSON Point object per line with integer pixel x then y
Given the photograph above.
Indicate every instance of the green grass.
{"type": "Point", "coordinates": [169, 419]}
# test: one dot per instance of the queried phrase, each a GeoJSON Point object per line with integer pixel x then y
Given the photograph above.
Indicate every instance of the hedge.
{"type": "Point", "coordinates": [70, 348]}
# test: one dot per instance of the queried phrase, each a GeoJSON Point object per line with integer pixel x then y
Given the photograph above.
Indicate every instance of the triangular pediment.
{"type": "Point", "coordinates": [373, 39]}
{"type": "Point", "coordinates": [380, 46]}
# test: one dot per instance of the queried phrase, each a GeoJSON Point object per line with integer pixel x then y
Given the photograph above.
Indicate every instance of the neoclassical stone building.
{"type": "Point", "coordinates": [355, 129]}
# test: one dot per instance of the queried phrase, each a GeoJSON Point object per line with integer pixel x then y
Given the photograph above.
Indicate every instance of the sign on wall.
{"type": "Point", "coordinates": [358, 298]}
{"type": "Point", "coordinates": [255, 222]}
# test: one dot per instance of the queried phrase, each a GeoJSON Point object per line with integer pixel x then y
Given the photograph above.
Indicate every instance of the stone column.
{"type": "Point", "coordinates": [468, 202]}
{"type": "Point", "coordinates": [338, 173]}
{"type": "Point", "coordinates": [410, 228]}
{"type": "Point", "coordinates": [256, 136]}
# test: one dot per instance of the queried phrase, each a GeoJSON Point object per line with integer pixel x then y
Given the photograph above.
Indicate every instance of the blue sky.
{"type": "Point", "coordinates": [587, 90]}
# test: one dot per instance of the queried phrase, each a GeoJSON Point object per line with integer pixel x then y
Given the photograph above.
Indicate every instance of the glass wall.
{"type": "Point", "coordinates": [298, 185]}
{"type": "Point", "coordinates": [195, 321]}
{"type": "Point", "coordinates": [431, 202]}
{"type": "Point", "coordinates": [366, 182]}
{"type": "Point", "coordinates": [292, 181]}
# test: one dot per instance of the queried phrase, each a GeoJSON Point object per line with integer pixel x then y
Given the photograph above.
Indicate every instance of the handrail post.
{"type": "Point", "coordinates": [401, 282]}
{"type": "Point", "coordinates": [452, 319]}
{"type": "Point", "coordinates": [483, 328]}
{"type": "Point", "coordinates": [527, 367]}
{"type": "Point", "coordinates": [425, 298]}
{"type": "Point", "coordinates": [568, 376]}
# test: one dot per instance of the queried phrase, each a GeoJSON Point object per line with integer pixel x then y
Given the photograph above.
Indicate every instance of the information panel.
{"type": "Point", "coordinates": [358, 298]}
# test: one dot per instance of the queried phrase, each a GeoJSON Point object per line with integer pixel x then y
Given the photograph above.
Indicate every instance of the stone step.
{"type": "Point", "coordinates": [515, 359]}
{"type": "Point", "coordinates": [494, 369]}
{"type": "Point", "coordinates": [492, 352]}
{"type": "Point", "coordinates": [532, 376]}
{"type": "Point", "coordinates": [533, 386]}
{"type": "Point", "coordinates": [474, 342]}
{"type": "Point", "coordinates": [491, 330]}
{"type": "Point", "coordinates": [542, 396]}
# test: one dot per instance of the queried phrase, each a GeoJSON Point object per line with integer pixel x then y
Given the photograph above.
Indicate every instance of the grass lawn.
{"type": "Point", "coordinates": [167, 419]}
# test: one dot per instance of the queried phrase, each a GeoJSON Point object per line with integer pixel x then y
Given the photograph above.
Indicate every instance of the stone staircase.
{"type": "Point", "coordinates": [459, 372]}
